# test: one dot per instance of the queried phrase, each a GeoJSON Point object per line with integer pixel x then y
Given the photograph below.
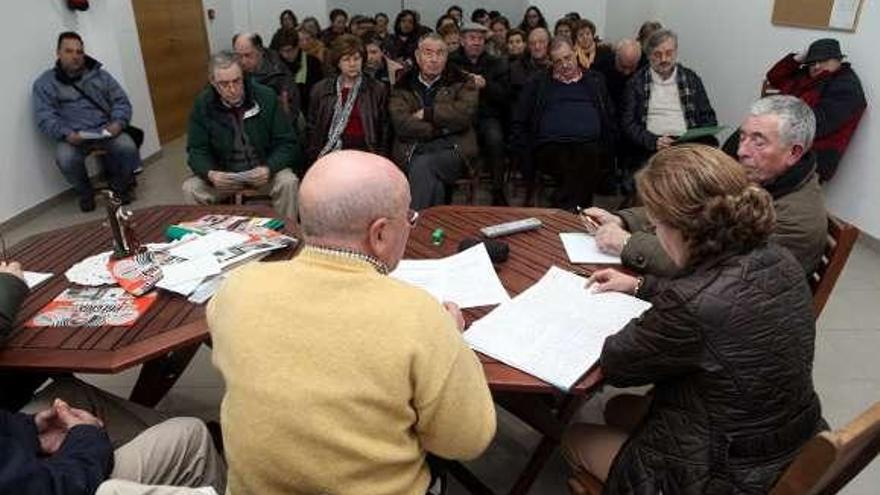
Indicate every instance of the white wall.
{"type": "Point", "coordinates": [260, 16]}
{"type": "Point", "coordinates": [222, 27]}
{"type": "Point", "coordinates": [732, 44]}
{"type": "Point", "coordinates": [369, 7]}
{"type": "Point", "coordinates": [624, 17]}
{"type": "Point", "coordinates": [28, 174]}
{"type": "Point", "coordinates": [594, 10]}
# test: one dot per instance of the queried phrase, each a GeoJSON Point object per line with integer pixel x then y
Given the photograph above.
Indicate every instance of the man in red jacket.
{"type": "Point", "coordinates": [832, 89]}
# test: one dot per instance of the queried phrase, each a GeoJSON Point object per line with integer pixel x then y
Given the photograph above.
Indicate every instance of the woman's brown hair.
{"type": "Point", "coordinates": [703, 193]}
{"type": "Point", "coordinates": [347, 44]}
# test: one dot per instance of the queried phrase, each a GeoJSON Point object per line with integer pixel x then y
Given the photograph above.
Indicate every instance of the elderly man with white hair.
{"type": "Point", "coordinates": [239, 138]}
{"type": "Point", "coordinates": [774, 149]}
{"type": "Point", "coordinates": [340, 379]}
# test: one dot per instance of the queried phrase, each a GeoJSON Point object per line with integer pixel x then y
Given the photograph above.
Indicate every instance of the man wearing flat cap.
{"type": "Point", "coordinates": [826, 83]}
{"type": "Point", "coordinates": [492, 77]}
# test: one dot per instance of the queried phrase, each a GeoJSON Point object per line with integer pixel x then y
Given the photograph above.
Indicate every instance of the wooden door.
{"type": "Point", "coordinates": [174, 43]}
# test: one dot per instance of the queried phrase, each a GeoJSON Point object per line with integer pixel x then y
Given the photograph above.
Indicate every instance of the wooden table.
{"type": "Point", "coordinates": [537, 403]}
{"type": "Point", "coordinates": [164, 339]}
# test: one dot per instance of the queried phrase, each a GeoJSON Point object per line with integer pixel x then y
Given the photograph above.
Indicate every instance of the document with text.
{"type": "Point", "coordinates": [555, 329]}
{"type": "Point", "coordinates": [468, 278]}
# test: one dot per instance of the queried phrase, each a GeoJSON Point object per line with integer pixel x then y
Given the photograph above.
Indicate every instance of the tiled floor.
{"type": "Point", "coordinates": [847, 371]}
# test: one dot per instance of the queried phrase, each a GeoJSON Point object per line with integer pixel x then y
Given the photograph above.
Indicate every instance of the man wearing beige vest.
{"type": "Point", "coordinates": [340, 379]}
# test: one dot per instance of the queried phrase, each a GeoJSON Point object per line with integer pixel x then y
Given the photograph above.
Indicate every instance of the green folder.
{"type": "Point", "coordinates": [700, 132]}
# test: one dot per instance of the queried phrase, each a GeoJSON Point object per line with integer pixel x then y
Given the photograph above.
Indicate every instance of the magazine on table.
{"type": "Point", "coordinates": [93, 307]}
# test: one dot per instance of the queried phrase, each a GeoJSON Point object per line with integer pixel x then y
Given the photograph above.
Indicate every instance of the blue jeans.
{"type": "Point", "coordinates": [119, 163]}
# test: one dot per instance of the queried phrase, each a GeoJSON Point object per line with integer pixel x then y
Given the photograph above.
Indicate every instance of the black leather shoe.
{"type": "Point", "coordinates": [87, 204]}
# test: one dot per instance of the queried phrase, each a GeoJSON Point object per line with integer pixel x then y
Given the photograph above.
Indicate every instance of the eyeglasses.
{"type": "Point", "coordinates": [412, 216]}
{"type": "Point", "coordinates": [229, 84]}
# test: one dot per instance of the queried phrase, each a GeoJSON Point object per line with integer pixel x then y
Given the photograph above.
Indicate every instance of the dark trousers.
{"type": "Point", "coordinates": [18, 388]}
{"type": "Point", "coordinates": [491, 133]}
{"type": "Point", "coordinates": [575, 167]}
{"type": "Point", "coordinates": [430, 173]}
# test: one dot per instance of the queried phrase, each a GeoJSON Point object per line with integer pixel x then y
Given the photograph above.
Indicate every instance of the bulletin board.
{"type": "Point", "coordinates": [838, 15]}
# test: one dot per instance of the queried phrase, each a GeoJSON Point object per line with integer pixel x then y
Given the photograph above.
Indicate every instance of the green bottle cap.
{"type": "Point", "coordinates": [437, 236]}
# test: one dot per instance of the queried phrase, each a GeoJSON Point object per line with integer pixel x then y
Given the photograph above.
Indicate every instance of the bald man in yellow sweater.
{"type": "Point", "coordinates": [339, 379]}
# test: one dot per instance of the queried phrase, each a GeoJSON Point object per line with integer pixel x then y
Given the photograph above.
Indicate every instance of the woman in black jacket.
{"type": "Point", "coordinates": [401, 46]}
{"type": "Point", "coordinates": [348, 110]}
{"type": "Point", "coordinates": [288, 24]}
{"type": "Point", "coordinates": [728, 343]}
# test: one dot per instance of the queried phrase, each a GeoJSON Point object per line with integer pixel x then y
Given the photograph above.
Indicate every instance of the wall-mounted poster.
{"type": "Point", "coordinates": [839, 15]}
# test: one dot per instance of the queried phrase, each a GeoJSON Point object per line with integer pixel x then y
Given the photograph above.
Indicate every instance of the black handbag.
{"type": "Point", "coordinates": [135, 133]}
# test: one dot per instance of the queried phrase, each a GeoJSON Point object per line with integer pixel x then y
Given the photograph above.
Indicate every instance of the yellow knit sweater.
{"type": "Point", "coordinates": [339, 379]}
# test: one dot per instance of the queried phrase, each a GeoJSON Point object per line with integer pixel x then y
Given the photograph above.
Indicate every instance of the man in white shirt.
{"type": "Point", "coordinates": [664, 99]}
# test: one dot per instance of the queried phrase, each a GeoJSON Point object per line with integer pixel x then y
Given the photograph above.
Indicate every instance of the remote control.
{"type": "Point", "coordinates": [513, 227]}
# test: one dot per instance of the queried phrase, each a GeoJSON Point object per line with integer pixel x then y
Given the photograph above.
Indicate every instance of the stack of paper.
{"type": "Point", "coordinates": [582, 248]}
{"type": "Point", "coordinates": [468, 278]}
{"type": "Point", "coordinates": [190, 265]}
{"type": "Point", "coordinates": [555, 329]}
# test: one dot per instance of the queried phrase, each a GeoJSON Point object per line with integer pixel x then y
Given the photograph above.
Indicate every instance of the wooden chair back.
{"type": "Point", "coordinates": [840, 241]}
{"type": "Point", "coordinates": [831, 459]}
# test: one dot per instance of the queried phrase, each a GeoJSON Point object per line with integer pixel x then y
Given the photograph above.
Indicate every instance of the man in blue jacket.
{"type": "Point", "coordinates": [80, 105]}
{"type": "Point", "coordinates": [63, 450]}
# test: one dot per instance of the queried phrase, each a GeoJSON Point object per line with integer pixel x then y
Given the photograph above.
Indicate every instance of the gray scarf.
{"type": "Point", "coordinates": [341, 113]}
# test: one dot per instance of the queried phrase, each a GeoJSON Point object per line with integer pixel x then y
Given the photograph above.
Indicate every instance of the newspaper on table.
{"type": "Point", "coordinates": [201, 257]}
{"type": "Point", "coordinates": [555, 329]}
{"type": "Point", "coordinates": [92, 307]}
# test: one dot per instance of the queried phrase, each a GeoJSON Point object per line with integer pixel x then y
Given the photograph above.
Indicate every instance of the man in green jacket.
{"type": "Point", "coordinates": [774, 149]}
{"type": "Point", "coordinates": [240, 138]}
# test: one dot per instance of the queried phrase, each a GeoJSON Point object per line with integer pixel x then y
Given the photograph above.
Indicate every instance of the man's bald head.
{"type": "Point", "coordinates": [628, 52]}
{"type": "Point", "coordinates": [248, 49]}
{"type": "Point", "coordinates": [345, 191]}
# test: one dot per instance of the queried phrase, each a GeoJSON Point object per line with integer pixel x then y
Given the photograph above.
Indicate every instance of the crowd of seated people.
{"type": "Point", "coordinates": [652, 99]}
{"type": "Point", "coordinates": [355, 128]}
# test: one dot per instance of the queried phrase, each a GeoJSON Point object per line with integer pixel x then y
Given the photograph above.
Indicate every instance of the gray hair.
{"type": "Point", "coordinates": [347, 215]}
{"type": "Point", "coordinates": [797, 122]}
{"type": "Point", "coordinates": [558, 41]}
{"type": "Point", "coordinates": [221, 60]}
{"type": "Point", "coordinates": [432, 36]}
{"type": "Point", "coordinates": [658, 37]}
{"type": "Point", "coordinates": [627, 43]}
{"type": "Point", "coordinates": [539, 30]}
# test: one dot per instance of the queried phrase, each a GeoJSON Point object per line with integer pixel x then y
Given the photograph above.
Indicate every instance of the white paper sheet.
{"type": "Point", "coordinates": [33, 279]}
{"type": "Point", "coordinates": [184, 277]}
{"type": "Point", "coordinates": [582, 248]}
{"type": "Point", "coordinates": [555, 329]}
{"type": "Point", "coordinates": [95, 135]}
{"type": "Point", "coordinates": [843, 14]}
{"type": "Point", "coordinates": [208, 244]}
{"type": "Point", "coordinates": [467, 278]}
